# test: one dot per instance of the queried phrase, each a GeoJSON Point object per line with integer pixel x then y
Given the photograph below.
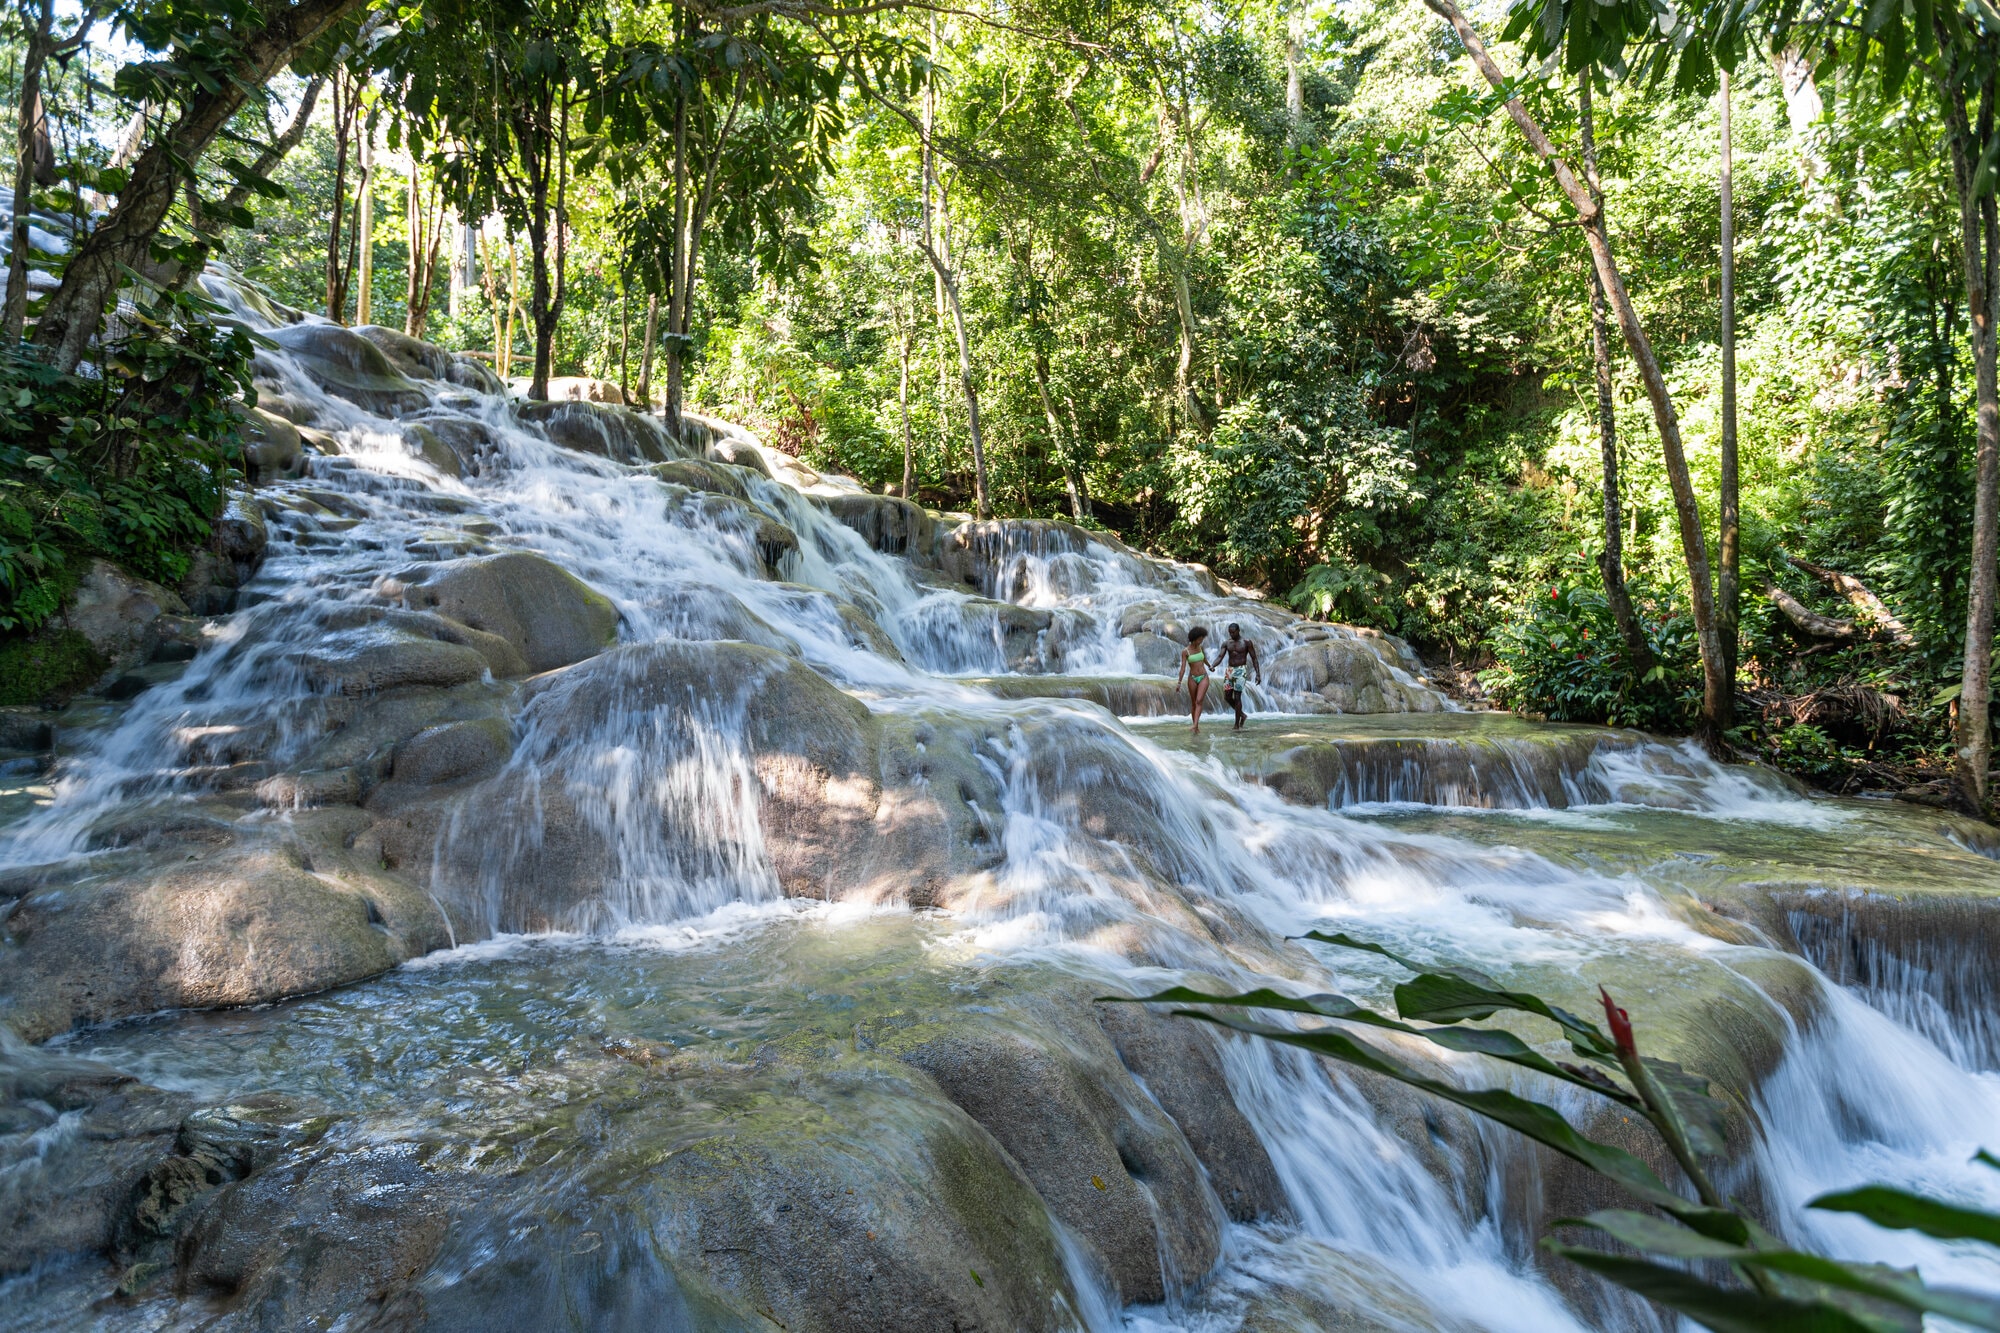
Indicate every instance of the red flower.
{"type": "Point", "coordinates": [1621, 1025]}
{"type": "Point", "coordinates": [1554, 593]}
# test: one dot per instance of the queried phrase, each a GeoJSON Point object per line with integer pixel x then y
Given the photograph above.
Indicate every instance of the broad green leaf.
{"type": "Point", "coordinates": [1539, 1122]}
{"type": "Point", "coordinates": [1900, 1210]}
{"type": "Point", "coordinates": [1498, 1045]}
{"type": "Point", "coordinates": [1723, 1309]}
{"type": "Point", "coordinates": [1657, 1236]}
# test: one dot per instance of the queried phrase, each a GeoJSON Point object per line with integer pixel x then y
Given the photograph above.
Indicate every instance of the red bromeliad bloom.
{"type": "Point", "coordinates": [1621, 1025]}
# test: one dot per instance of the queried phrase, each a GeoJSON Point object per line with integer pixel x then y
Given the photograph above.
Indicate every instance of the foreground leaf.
{"type": "Point", "coordinates": [1540, 1123]}
{"type": "Point", "coordinates": [1723, 1309]}
{"type": "Point", "coordinates": [1900, 1210]}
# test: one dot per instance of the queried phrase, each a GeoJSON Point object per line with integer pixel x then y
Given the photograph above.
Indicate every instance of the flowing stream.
{"type": "Point", "coordinates": [1742, 922]}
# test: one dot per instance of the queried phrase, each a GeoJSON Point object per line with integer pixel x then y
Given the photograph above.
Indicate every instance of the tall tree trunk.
{"type": "Point", "coordinates": [683, 207]}
{"type": "Point", "coordinates": [1717, 689]}
{"type": "Point", "coordinates": [346, 101]}
{"type": "Point", "coordinates": [1728, 539]}
{"type": "Point", "coordinates": [688, 257]}
{"type": "Point", "coordinates": [1079, 502]}
{"type": "Point", "coordinates": [646, 346]}
{"type": "Point", "coordinates": [427, 228]}
{"type": "Point", "coordinates": [123, 241]}
{"type": "Point", "coordinates": [364, 229]}
{"type": "Point", "coordinates": [1979, 242]}
{"type": "Point", "coordinates": [513, 309]}
{"type": "Point", "coordinates": [982, 505]}
{"type": "Point", "coordinates": [28, 137]}
{"type": "Point", "coordinates": [903, 406]}
{"type": "Point", "coordinates": [625, 337]}
{"type": "Point", "coordinates": [1611, 561]}
{"type": "Point", "coordinates": [1295, 89]}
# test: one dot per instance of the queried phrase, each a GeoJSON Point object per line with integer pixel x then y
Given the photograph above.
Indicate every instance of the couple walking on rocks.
{"type": "Point", "coordinates": [1237, 658]}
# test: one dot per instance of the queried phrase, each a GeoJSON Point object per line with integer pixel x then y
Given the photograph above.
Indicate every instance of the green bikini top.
{"type": "Point", "coordinates": [1198, 658]}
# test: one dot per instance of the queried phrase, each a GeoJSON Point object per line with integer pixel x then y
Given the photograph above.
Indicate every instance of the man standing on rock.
{"type": "Point", "coordinates": [1241, 658]}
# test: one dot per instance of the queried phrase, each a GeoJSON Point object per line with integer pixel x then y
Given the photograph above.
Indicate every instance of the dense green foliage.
{"type": "Point", "coordinates": [131, 465]}
{"type": "Point", "coordinates": [1281, 290]}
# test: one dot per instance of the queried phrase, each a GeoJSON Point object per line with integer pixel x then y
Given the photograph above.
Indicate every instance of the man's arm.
{"type": "Point", "coordinates": [1256, 664]}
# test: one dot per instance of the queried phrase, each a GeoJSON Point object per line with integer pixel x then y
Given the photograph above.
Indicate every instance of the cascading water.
{"type": "Point", "coordinates": [786, 699]}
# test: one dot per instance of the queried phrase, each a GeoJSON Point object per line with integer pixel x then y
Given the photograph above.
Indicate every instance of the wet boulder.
{"type": "Point", "coordinates": [699, 474]}
{"type": "Point", "coordinates": [184, 921]}
{"type": "Point", "coordinates": [231, 559]}
{"type": "Point", "coordinates": [720, 447]}
{"type": "Point", "coordinates": [889, 525]}
{"type": "Point", "coordinates": [452, 751]}
{"type": "Point", "coordinates": [409, 356]}
{"type": "Point", "coordinates": [550, 617]}
{"type": "Point", "coordinates": [1157, 656]}
{"type": "Point", "coordinates": [609, 431]}
{"type": "Point", "coordinates": [469, 372]}
{"type": "Point", "coordinates": [272, 449]}
{"type": "Point", "coordinates": [118, 614]}
{"type": "Point", "coordinates": [423, 442]}
{"type": "Point", "coordinates": [347, 365]}
{"type": "Point", "coordinates": [550, 839]}
{"type": "Point", "coordinates": [1107, 1162]}
{"type": "Point", "coordinates": [383, 657]}
{"type": "Point", "coordinates": [1181, 1067]}
{"type": "Point", "coordinates": [1353, 674]}
{"type": "Point", "coordinates": [467, 441]}
{"type": "Point", "coordinates": [77, 1141]}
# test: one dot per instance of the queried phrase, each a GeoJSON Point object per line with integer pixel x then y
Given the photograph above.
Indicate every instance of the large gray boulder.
{"type": "Point", "coordinates": [409, 356]}
{"type": "Point", "coordinates": [205, 916]}
{"type": "Point", "coordinates": [550, 617]}
{"type": "Point", "coordinates": [1108, 1163]}
{"type": "Point", "coordinates": [604, 429]}
{"type": "Point", "coordinates": [1353, 673]}
{"type": "Point", "coordinates": [119, 614]}
{"type": "Point", "coordinates": [547, 843]}
{"type": "Point", "coordinates": [347, 365]}
{"type": "Point", "coordinates": [383, 657]}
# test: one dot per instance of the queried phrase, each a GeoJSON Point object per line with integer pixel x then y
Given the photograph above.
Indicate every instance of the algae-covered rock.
{"type": "Point", "coordinates": [272, 448]}
{"type": "Point", "coordinates": [1102, 1156]}
{"type": "Point", "coordinates": [1182, 1070]}
{"type": "Point", "coordinates": [366, 660]}
{"type": "Point", "coordinates": [551, 617]}
{"type": "Point", "coordinates": [117, 613]}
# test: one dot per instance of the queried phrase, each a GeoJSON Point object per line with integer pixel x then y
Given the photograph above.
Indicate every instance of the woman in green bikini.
{"type": "Point", "coordinates": [1197, 668]}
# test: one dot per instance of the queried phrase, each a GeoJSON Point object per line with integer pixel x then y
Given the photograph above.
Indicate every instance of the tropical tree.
{"type": "Point", "coordinates": [486, 93]}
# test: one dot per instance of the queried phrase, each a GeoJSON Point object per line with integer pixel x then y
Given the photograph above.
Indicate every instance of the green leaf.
{"type": "Point", "coordinates": [1655, 1235]}
{"type": "Point", "coordinates": [1722, 1309]}
{"type": "Point", "coordinates": [1900, 1210]}
{"type": "Point", "coordinates": [1493, 1043]}
{"type": "Point", "coordinates": [263, 185]}
{"type": "Point", "coordinates": [1540, 1123]}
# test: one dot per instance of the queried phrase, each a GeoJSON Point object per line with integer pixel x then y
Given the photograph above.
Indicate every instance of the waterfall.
{"type": "Point", "coordinates": [942, 691]}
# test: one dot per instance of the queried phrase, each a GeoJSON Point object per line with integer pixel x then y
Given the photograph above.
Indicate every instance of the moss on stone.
{"type": "Point", "coordinates": [47, 667]}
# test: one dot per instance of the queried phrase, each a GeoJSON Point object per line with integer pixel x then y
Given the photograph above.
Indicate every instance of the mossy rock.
{"type": "Point", "coordinates": [48, 667]}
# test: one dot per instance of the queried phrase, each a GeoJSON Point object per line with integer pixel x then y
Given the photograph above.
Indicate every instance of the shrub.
{"type": "Point", "coordinates": [132, 465]}
{"type": "Point", "coordinates": [1562, 656]}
